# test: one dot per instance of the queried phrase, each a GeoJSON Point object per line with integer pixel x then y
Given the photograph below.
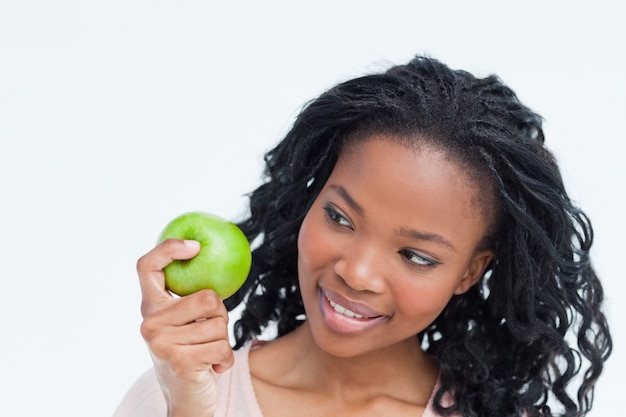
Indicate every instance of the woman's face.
{"type": "Point", "coordinates": [392, 236]}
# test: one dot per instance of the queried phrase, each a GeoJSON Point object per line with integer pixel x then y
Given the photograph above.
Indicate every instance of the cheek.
{"type": "Point", "coordinates": [310, 244]}
{"type": "Point", "coordinates": [317, 248]}
{"type": "Point", "coordinates": [304, 240]}
{"type": "Point", "coordinates": [425, 296]}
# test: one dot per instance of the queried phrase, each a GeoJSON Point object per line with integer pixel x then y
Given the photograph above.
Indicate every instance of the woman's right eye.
{"type": "Point", "coordinates": [335, 217]}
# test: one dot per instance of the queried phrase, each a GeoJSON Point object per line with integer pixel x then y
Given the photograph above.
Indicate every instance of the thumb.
{"type": "Point", "coordinates": [150, 267]}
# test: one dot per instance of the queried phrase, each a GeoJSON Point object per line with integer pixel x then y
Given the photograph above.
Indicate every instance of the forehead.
{"type": "Point", "coordinates": [405, 165]}
{"type": "Point", "coordinates": [465, 162]}
{"type": "Point", "coordinates": [417, 184]}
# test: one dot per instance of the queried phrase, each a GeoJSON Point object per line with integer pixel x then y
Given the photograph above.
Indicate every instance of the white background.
{"type": "Point", "coordinates": [116, 116]}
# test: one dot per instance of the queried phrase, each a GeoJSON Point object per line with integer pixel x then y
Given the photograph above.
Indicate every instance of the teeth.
{"type": "Point", "coordinates": [342, 310]}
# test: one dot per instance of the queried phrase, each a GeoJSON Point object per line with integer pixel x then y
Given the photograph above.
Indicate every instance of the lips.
{"type": "Point", "coordinates": [342, 310]}
{"type": "Point", "coordinates": [346, 316]}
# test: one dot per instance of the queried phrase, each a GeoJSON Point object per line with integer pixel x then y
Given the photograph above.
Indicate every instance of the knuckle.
{"type": "Point", "coordinates": [222, 350]}
{"type": "Point", "coordinates": [214, 328]}
{"type": "Point", "coordinates": [142, 263]}
{"type": "Point", "coordinates": [207, 297]}
{"type": "Point", "coordinates": [147, 330]}
{"type": "Point", "coordinates": [221, 323]}
{"type": "Point", "coordinates": [209, 300]}
{"type": "Point", "coordinates": [148, 260]}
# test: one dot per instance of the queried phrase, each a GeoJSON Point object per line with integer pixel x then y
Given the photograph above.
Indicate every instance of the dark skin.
{"type": "Point", "coordinates": [393, 235]}
{"type": "Point", "coordinates": [308, 386]}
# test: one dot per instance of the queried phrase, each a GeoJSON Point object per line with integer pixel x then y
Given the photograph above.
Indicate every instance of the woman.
{"type": "Point", "coordinates": [416, 253]}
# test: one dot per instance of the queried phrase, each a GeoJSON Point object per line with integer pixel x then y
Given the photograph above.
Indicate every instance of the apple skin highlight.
{"type": "Point", "coordinates": [223, 262]}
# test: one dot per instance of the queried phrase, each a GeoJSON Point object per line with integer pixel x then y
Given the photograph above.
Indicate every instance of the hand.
{"type": "Point", "coordinates": [187, 336]}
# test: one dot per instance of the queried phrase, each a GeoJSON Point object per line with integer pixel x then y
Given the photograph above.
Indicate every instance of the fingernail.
{"type": "Point", "coordinates": [192, 244]}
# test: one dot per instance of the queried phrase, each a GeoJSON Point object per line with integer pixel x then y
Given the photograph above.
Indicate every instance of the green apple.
{"type": "Point", "coordinates": [223, 262]}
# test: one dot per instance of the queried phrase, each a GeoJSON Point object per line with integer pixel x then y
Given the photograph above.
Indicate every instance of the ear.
{"type": "Point", "coordinates": [475, 271]}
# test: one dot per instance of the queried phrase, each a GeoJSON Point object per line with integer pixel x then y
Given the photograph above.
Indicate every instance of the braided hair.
{"type": "Point", "coordinates": [531, 334]}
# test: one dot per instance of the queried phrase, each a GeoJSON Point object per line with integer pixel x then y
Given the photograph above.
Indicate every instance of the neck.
{"type": "Point", "coordinates": [397, 367]}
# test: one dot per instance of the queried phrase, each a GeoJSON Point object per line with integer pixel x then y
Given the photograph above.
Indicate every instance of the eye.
{"type": "Point", "coordinates": [417, 259]}
{"type": "Point", "coordinates": [335, 217]}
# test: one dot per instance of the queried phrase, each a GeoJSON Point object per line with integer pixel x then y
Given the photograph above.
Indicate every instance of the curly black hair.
{"type": "Point", "coordinates": [531, 334]}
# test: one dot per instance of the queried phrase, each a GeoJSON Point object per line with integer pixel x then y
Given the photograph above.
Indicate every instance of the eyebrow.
{"type": "Point", "coordinates": [348, 198]}
{"type": "Point", "coordinates": [406, 232]}
{"type": "Point", "coordinates": [427, 237]}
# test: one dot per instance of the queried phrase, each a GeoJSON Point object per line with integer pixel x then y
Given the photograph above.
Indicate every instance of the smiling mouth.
{"type": "Point", "coordinates": [358, 318]}
{"type": "Point", "coordinates": [342, 310]}
{"type": "Point", "coordinates": [354, 311]}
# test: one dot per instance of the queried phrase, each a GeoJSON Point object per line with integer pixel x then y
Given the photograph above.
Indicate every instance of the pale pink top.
{"type": "Point", "coordinates": [236, 393]}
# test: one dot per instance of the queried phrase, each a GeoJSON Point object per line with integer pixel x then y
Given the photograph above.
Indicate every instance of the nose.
{"type": "Point", "coordinates": [362, 267]}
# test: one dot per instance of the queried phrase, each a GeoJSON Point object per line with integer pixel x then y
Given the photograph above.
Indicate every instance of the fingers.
{"type": "Point", "coordinates": [191, 348]}
{"type": "Point", "coordinates": [150, 269]}
{"type": "Point", "coordinates": [186, 311]}
{"type": "Point", "coordinates": [189, 337]}
{"type": "Point", "coordinates": [188, 361]}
